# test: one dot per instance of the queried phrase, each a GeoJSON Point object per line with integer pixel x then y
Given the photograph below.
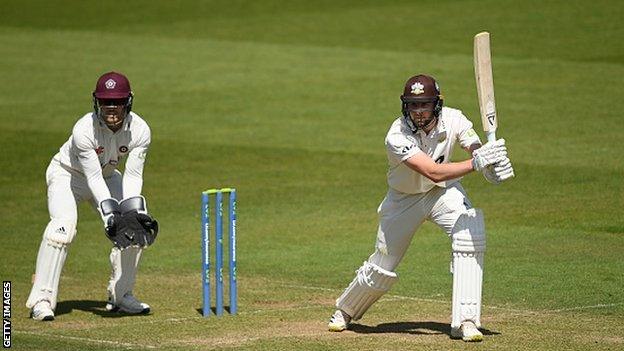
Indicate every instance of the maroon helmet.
{"type": "Point", "coordinates": [112, 86]}
{"type": "Point", "coordinates": [421, 88]}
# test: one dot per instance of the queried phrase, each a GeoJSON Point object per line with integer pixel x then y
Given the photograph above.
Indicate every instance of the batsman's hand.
{"type": "Point", "coordinates": [489, 154]}
{"type": "Point", "coordinates": [499, 171]}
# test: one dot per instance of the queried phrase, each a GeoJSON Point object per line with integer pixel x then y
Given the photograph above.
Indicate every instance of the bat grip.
{"type": "Point", "coordinates": [491, 136]}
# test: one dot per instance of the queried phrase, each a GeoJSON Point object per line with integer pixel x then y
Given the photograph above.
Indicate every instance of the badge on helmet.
{"type": "Point", "coordinates": [420, 89]}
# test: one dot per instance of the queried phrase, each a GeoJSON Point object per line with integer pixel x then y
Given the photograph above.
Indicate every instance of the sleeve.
{"type": "Point", "coordinates": [466, 134]}
{"type": "Point", "coordinates": [133, 174]}
{"type": "Point", "coordinates": [400, 148]}
{"type": "Point", "coordinates": [90, 164]}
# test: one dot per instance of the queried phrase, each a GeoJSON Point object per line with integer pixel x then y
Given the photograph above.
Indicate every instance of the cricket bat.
{"type": "Point", "coordinates": [485, 84]}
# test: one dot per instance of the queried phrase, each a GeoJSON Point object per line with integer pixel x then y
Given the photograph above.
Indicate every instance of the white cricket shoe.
{"type": "Point", "coordinates": [42, 311]}
{"type": "Point", "coordinates": [467, 331]}
{"type": "Point", "coordinates": [339, 321]}
{"type": "Point", "coordinates": [129, 304]}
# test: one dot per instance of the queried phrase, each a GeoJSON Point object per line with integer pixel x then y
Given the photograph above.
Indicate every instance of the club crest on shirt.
{"type": "Point", "coordinates": [110, 84]}
{"type": "Point", "coordinates": [99, 150]}
{"type": "Point", "coordinates": [123, 149]}
{"type": "Point", "coordinates": [418, 88]}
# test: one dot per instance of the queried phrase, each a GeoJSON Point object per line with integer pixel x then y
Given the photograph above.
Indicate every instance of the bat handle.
{"type": "Point", "coordinates": [491, 136]}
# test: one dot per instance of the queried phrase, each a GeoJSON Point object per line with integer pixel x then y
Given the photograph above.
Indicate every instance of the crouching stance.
{"type": "Point", "coordinates": [85, 168]}
{"type": "Point", "coordinates": [424, 185]}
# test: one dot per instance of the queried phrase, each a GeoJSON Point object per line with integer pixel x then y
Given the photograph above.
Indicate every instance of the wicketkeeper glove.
{"type": "Point", "coordinates": [134, 226]}
{"type": "Point", "coordinates": [111, 215]}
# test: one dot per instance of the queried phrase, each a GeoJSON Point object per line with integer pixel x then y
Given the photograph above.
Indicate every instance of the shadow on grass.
{"type": "Point", "coordinates": [213, 310]}
{"type": "Point", "coordinates": [417, 328]}
{"type": "Point", "coordinates": [95, 307]}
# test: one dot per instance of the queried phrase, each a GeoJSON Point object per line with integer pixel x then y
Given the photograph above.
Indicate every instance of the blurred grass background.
{"type": "Point", "coordinates": [290, 102]}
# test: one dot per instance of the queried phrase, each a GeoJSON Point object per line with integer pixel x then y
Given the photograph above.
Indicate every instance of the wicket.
{"type": "Point", "coordinates": [205, 230]}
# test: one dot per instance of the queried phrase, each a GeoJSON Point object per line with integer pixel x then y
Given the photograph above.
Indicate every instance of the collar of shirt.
{"type": "Point", "coordinates": [439, 132]}
{"type": "Point", "coordinates": [126, 123]}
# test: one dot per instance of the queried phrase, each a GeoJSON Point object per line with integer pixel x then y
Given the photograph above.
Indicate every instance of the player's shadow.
{"type": "Point", "coordinates": [416, 328]}
{"type": "Point", "coordinates": [95, 307]}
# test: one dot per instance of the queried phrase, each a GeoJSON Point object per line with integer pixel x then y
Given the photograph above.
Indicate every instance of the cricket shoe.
{"type": "Point", "coordinates": [467, 331]}
{"type": "Point", "coordinates": [42, 311]}
{"type": "Point", "coordinates": [128, 304]}
{"type": "Point", "coordinates": [339, 321]}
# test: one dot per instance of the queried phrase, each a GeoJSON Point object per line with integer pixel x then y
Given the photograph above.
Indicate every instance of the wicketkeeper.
{"type": "Point", "coordinates": [425, 185]}
{"type": "Point", "coordinates": [85, 168]}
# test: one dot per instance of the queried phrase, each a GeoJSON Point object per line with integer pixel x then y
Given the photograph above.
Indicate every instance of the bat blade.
{"type": "Point", "coordinates": [485, 84]}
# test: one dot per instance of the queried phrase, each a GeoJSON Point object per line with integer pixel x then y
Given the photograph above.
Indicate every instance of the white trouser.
{"type": "Point", "coordinates": [65, 190]}
{"type": "Point", "coordinates": [401, 214]}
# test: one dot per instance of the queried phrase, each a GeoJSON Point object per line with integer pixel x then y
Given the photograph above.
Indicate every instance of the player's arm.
{"type": "Point", "coordinates": [89, 162]}
{"type": "Point", "coordinates": [133, 174]}
{"type": "Point", "coordinates": [437, 172]}
{"type": "Point", "coordinates": [482, 156]}
{"type": "Point", "coordinates": [88, 159]}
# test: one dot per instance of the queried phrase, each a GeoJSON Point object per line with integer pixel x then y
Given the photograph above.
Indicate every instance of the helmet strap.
{"type": "Point", "coordinates": [408, 118]}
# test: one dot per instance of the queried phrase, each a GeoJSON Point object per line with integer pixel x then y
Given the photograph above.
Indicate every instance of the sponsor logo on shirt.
{"type": "Point", "coordinates": [406, 149]}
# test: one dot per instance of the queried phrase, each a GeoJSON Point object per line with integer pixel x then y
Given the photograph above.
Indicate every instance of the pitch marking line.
{"type": "Point", "coordinates": [89, 340]}
{"type": "Point", "coordinates": [586, 307]}
{"type": "Point", "coordinates": [390, 297]}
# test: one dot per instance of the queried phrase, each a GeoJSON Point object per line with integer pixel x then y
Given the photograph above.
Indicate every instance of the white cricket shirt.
{"type": "Point", "coordinates": [94, 152]}
{"type": "Point", "coordinates": [402, 144]}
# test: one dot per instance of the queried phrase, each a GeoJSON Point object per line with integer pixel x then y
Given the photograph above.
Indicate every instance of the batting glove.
{"type": "Point", "coordinates": [488, 154]}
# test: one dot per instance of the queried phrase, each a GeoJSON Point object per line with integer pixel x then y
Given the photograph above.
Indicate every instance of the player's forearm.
{"type": "Point", "coordinates": [133, 174]}
{"type": "Point", "coordinates": [424, 165]}
{"type": "Point", "coordinates": [132, 186]}
{"type": "Point", "coordinates": [446, 171]}
{"type": "Point", "coordinates": [93, 173]}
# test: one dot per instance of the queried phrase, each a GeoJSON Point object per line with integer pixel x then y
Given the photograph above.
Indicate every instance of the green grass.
{"type": "Point", "coordinates": [290, 102]}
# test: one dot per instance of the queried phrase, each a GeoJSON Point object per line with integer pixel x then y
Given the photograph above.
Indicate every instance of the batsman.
{"type": "Point", "coordinates": [425, 185]}
{"type": "Point", "coordinates": [85, 169]}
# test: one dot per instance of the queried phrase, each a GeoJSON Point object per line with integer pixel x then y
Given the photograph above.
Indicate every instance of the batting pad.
{"type": "Point", "coordinates": [50, 260]}
{"type": "Point", "coordinates": [468, 237]}
{"type": "Point", "coordinates": [369, 284]}
{"type": "Point", "coordinates": [124, 264]}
